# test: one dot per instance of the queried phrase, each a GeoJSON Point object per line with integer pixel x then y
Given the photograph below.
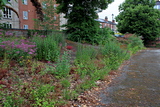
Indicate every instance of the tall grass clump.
{"type": "Point", "coordinates": [135, 44]}
{"type": "Point", "coordinates": [114, 55]}
{"type": "Point", "coordinates": [63, 66]}
{"type": "Point", "coordinates": [48, 47]}
{"type": "Point", "coordinates": [85, 54]}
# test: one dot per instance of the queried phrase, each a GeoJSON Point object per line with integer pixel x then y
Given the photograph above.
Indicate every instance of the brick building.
{"type": "Point", "coordinates": [10, 17]}
{"type": "Point", "coordinates": [27, 13]}
{"type": "Point", "coordinates": [21, 14]}
{"type": "Point", "coordinates": [104, 23]}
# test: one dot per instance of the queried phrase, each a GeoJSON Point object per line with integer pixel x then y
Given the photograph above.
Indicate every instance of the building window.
{"type": "Point", "coordinates": [157, 7]}
{"type": "Point", "coordinates": [25, 27]}
{"type": "Point", "coordinates": [7, 25]}
{"type": "Point", "coordinates": [25, 2]}
{"type": "Point", "coordinates": [7, 13]}
{"type": "Point", "coordinates": [25, 15]}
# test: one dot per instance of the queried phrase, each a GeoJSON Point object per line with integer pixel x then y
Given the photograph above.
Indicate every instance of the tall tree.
{"type": "Point", "coordinates": [50, 18]}
{"type": "Point", "coordinates": [139, 17]}
{"type": "Point", "coordinates": [81, 14]}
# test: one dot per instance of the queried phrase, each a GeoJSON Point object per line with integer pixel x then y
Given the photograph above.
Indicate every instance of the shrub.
{"type": "Point", "coordinates": [104, 35]}
{"type": "Point", "coordinates": [84, 54]}
{"type": "Point", "coordinates": [62, 67]}
{"type": "Point", "coordinates": [18, 48]}
{"type": "Point", "coordinates": [48, 47]}
{"type": "Point", "coordinates": [114, 55]}
{"type": "Point", "coordinates": [135, 44]}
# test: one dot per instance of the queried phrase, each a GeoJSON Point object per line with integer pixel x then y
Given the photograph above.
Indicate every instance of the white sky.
{"type": "Point", "coordinates": [112, 9]}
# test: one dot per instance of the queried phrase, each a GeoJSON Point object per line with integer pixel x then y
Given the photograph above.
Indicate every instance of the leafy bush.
{"type": "Point", "coordinates": [84, 54]}
{"type": "Point", "coordinates": [48, 46]}
{"type": "Point", "coordinates": [135, 44]}
{"type": "Point", "coordinates": [17, 49]}
{"type": "Point", "coordinates": [114, 55]}
{"type": "Point", "coordinates": [105, 34]}
{"type": "Point", "coordinates": [62, 67]}
{"type": "Point", "coordinates": [85, 31]}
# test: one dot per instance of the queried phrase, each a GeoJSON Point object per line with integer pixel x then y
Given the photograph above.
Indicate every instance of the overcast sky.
{"type": "Point", "coordinates": [112, 9]}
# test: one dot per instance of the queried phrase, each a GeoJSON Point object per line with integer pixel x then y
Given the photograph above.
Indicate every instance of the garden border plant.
{"type": "Point", "coordinates": [51, 83]}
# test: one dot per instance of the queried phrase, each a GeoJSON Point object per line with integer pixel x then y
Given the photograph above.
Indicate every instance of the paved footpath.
{"type": "Point", "coordinates": [138, 85]}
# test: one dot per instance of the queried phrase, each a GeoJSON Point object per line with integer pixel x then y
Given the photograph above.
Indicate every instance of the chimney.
{"type": "Point", "coordinates": [106, 19]}
{"type": "Point", "coordinates": [113, 21]}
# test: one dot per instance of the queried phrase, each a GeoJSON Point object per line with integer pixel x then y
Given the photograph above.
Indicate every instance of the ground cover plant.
{"type": "Point", "coordinates": [45, 71]}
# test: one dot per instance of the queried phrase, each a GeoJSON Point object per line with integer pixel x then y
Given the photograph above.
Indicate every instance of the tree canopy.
{"type": "Point", "coordinates": [139, 17]}
{"type": "Point", "coordinates": [81, 14]}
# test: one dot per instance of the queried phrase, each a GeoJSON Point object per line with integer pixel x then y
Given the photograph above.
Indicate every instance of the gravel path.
{"type": "Point", "coordinates": [138, 85]}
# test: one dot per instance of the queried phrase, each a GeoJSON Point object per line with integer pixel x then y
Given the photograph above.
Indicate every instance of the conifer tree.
{"type": "Point", "coordinates": [81, 15]}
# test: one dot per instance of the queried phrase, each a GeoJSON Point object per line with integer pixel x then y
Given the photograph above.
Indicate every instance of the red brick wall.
{"type": "Point", "coordinates": [31, 14]}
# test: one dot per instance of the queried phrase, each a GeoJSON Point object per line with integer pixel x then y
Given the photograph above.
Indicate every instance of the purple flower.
{"type": "Point", "coordinates": [30, 53]}
{"type": "Point", "coordinates": [2, 46]}
{"type": "Point", "coordinates": [48, 61]}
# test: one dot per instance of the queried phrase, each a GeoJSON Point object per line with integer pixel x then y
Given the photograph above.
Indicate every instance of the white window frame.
{"type": "Point", "coordinates": [25, 15]}
{"type": "Point", "coordinates": [7, 13]}
{"type": "Point", "coordinates": [7, 25]}
{"type": "Point", "coordinates": [158, 6]}
{"type": "Point", "coordinates": [25, 26]}
{"type": "Point", "coordinates": [25, 2]}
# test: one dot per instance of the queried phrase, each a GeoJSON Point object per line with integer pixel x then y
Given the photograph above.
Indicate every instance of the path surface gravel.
{"type": "Point", "coordinates": [138, 85]}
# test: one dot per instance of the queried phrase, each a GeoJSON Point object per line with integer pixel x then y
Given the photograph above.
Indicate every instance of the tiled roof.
{"type": "Point", "coordinates": [157, 2]}
{"type": "Point", "coordinates": [103, 21]}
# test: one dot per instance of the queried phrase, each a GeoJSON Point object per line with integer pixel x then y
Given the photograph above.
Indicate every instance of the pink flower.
{"type": "Point", "coordinates": [30, 53]}
{"type": "Point", "coordinates": [2, 46]}
{"type": "Point", "coordinates": [48, 61]}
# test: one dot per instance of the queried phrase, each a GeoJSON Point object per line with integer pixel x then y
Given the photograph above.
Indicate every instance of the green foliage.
{"type": "Point", "coordinates": [85, 31]}
{"type": "Point", "coordinates": [69, 95]}
{"type": "Point", "coordinates": [63, 66]}
{"type": "Point", "coordinates": [13, 100]}
{"type": "Point", "coordinates": [114, 55]}
{"type": "Point", "coordinates": [85, 54]}
{"type": "Point", "coordinates": [47, 47]}
{"type": "Point", "coordinates": [50, 19]}
{"type": "Point", "coordinates": [139, 17]}
{"type": "Point", "coordinates": [19, 50]}
{"type": "Point", "coordinates": [104, 35]}
{"type": "Point", "coordinates": [81, 25]}
{"type": "Point", "coordinates": [135, 44]}
{"type": "Point", "coordinates": [65, 83]}
{"type": "Point", "coordinates": [2, 3]}
{"type": "Point", "coordinates": [41, 91]}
